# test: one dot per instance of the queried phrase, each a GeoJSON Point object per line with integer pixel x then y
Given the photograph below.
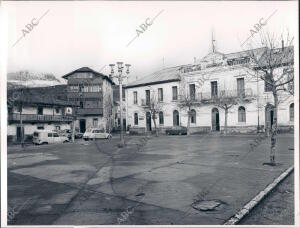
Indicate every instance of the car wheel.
{"type": "Point", "coordinates": [65, 141]}
{"type": "Point", "coordinates": [44, 143]}
{"type": "Point", "coordinates": [85, 139]}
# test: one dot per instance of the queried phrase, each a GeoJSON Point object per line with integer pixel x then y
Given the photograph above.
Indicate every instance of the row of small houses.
{"type": "Point", "coordinates": [90, 99]}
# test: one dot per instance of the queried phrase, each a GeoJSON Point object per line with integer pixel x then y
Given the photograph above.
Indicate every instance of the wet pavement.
{"type": "Point", "coordinates": [153, 180]}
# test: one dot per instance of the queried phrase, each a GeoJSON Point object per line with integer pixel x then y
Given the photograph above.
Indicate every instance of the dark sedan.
{"type": "Point", "coordinates": [177, 131]}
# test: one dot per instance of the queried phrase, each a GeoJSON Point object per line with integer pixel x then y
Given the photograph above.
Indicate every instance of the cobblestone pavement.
{"type": "Point", "coordinates": [154, 180]}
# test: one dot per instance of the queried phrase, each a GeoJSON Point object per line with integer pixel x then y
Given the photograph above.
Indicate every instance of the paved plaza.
{"type": "Point", "coordinates": [153, 180]}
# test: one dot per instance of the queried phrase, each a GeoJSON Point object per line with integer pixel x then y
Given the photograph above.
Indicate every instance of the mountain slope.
{"type": "Point", "coordinates": [31, 79]}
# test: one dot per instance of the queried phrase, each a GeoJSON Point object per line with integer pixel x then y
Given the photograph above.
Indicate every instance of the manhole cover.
{"type": "Point", "coordinates": [207, 205]}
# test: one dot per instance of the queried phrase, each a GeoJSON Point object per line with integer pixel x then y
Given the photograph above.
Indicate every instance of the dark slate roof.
{"type": "Point", "coordinates": [279, 56]}
{"type": "Point", "coordinates": [235, 55]}
{"type": "Point", "coordinates": [87, 69]}
{"type": "Point", "coordinates": [163, 76]}
{"type": "Point", "coordinates": [52, 95]}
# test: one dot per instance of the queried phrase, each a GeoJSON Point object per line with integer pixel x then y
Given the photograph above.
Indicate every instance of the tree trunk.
{"type": "Point", "coordinates": [73, 129]}
{"type": "Point", "coordinates": [274, 130]}
{"type": "Point", "coordinates": [225, 127]}
{"type": "Point", "coordinates": [154, 121]}
{"type": "Point", "coordinates": [189, 122]}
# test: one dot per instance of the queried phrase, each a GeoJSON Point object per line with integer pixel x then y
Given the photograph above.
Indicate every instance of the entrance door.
{"type": "Point", "coordinates": [175, 118]}
{"type": "Point", "coordinates": [82, 125]}
{"type": "Point", "coordinates": [215, 120]}
{"type": "Point", "coordinates": [19, 134]}
{"type": "Point", "coordinates": [269, 117]}
{"type": "Point", "coordinates": [148, 121]}
{"type": "Point", "coordinates": [124, 125]}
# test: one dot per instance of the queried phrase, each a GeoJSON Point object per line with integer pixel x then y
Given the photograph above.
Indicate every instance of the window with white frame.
{"type": "Point", "coordinates": [135, 99]}
{"type": "Point", "coordinates": [136, 119]}
{"type": "Point", "coordinates": [292, 112]}
{"type": "Point", "coordinates": [160, 94]}
{"type": "Point", "coordinates": [193, 116]}
{"type": "Point", "coordinates": [241, 114]}
{"type": "Point", "coordinates": [95, 122]}
{"type": "Point", "coordinates": [161, 118]}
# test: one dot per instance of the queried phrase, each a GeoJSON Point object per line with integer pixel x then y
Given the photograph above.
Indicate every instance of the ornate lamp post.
{"type": "Point", "coordinates": [120, 79]}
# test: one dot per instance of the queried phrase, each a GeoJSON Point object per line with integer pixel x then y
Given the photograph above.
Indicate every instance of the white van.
{"type": "Point", "coordinates": [48, 137]}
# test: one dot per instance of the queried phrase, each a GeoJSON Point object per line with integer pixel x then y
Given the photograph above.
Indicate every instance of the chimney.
{"type": "Point", "coordinates": [282, 45]}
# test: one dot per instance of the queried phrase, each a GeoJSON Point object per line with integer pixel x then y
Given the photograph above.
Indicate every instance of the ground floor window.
{"type": "Point", "coordinates": [40, 127]}
{"type": "Point", "coordinates": [161, 118]}
{"type": "Point", "coordinates": [136, 119]}
{"type": "Point", "coordinates": [292, 112]}
{"type": "Point", "coordinates": [175, 118]}
{"type": "Point", "coordinates": [193, 116]}
{"type": "Point", "coordinates": [95, 122]}
{"type": "Point", "coordinates": [241, 114]}
{"type": "Point", "coordinates": [57, 127]}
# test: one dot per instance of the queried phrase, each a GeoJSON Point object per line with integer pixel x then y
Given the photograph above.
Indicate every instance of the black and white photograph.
{"type": "Point", "coordinates": [149, 113]}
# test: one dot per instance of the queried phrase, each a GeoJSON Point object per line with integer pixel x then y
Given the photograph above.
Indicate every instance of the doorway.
{"type": "Point", "coordinates": [124, 125]}
{"type": "Point", "coordinates": [175, 118]}
{"type": "Point", "coordinates": [82, 125]}
{"type": "Point", "coordinates": [215, 120]}
{"type": "Point", "coordinates": [19, 134]}
{"type": "Point", "coordinates": [269, 117]}
{"type": "Point", "coordinates": [148, 121]}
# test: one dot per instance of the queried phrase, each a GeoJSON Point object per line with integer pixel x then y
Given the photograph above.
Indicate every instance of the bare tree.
{"type": "Point", "coordinates": [226, 100]}
{"type": "Point", "coordinates": [188, 98]}
{"type": "Point", "coordinates": [154, 106]}
{"type": "Point", "coordinates": [275, 66]}
{"type": "Point", "coordinates": [108, 111]}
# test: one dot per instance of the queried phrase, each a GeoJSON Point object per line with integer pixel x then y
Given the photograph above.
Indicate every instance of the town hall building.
{"type": "Point", "coordinates": [215, 75]}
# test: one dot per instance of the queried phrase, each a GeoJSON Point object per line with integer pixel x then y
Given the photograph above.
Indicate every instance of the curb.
{"type": "Point", "coordinates": [257, 199]}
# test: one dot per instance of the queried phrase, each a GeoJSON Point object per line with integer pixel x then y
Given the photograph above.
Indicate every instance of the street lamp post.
{"type": "Point", "coordinates": [120, 79]}
{"type": "Point", "coordinates": [257, 89]}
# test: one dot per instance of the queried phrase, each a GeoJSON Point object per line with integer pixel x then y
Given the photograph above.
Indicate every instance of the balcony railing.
{"type": "Point", "coordinates": [208, 96]}
{"type": "Point", "coordinates": [39, 118]}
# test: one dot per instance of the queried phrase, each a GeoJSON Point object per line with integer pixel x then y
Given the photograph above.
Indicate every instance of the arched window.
{"type": "Point", "coordinates": [175, 118]}
{"type": "Point", "coordinates": [292, 112]}
{"type": "Point", "coordinates": [193, 116]}
{"type": "Point", "coordinates": [242, 114]}
{"type": "Point", "coordinates": [161, 118]}
{"type": "Point", "coordinates": [136, 119]}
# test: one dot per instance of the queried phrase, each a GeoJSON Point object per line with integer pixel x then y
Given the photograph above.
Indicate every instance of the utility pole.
{"type": "Point", "coordinates": [73, 121]}
{"type": "Point", "coordinates": [257, 88]}
{"type": "Point", "coordinates": [21, 119]}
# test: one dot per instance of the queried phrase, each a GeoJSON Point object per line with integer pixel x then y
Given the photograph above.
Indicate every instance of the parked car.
{"type": "Point", "coordinates": [96, 133]}
{"type": "Point", "coordinates": [48, 137]}
{"type": "Point", "coordinates": [177, 131]}
{"type": "Point", "coordinates": [66, 132]}
{"type": "Point", "coordinates": [78, 135]}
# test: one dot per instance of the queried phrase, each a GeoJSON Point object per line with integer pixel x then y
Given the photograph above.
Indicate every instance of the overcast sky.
{"type": "Point", "coordinates": [76, 34]}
